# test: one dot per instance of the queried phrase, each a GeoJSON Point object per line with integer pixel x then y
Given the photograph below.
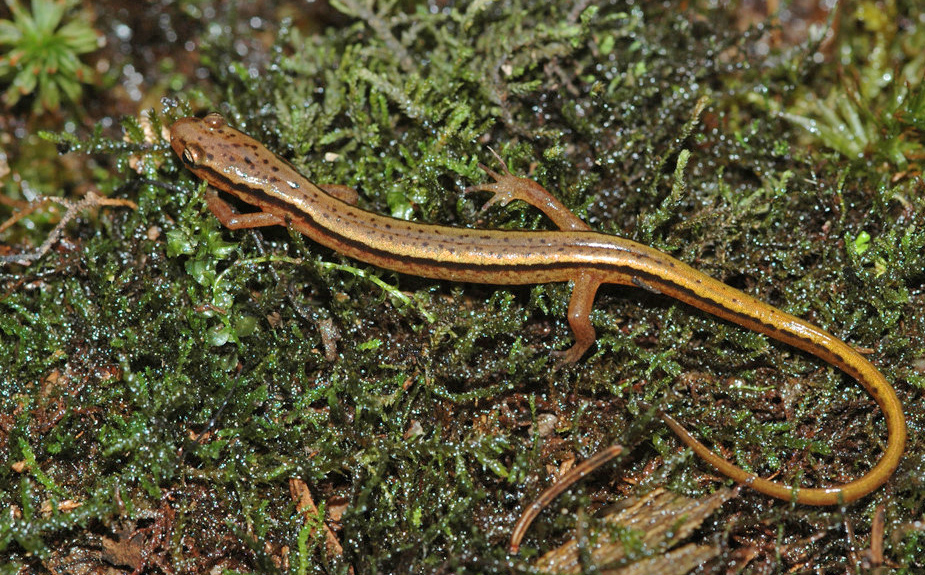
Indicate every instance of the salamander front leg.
{"type": "Point", "coordinates": [508, 187]}
{"type": "Point", "coordinates": [341, 192]}
{"type": "Point", "coordinates": [235, 221]}
{"type": "Point", "coordinates": [579, 318]}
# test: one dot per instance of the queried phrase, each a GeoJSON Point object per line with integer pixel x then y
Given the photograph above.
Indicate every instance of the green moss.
{"type": "Point", "coordinates": [42, 50]}
{"type": "Point", "coordinates": [176, 374]}
{"type": "Point", "coordinates": [876, 114]}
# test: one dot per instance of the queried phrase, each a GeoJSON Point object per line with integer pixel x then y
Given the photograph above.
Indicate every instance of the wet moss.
{"type": "Point", "coordinates": [168, 374]}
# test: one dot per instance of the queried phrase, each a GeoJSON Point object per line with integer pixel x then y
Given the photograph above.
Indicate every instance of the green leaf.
{"type": "Point", "coordinates": [9, 33]}
{"type": "Point", "coordinates": [47, 15]}
{"type": "Point", "coordinates": [79, 38]}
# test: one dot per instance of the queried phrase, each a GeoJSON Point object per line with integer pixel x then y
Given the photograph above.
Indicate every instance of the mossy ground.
{"type": "Point", "coordinates": [164, 378]}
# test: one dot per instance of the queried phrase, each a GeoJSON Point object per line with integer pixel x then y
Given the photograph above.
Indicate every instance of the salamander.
{"type": "Point", "coordinates": [236, 164]}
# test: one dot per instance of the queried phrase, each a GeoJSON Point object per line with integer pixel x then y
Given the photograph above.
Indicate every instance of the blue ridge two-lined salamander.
{"type": "Point", "coordinates": [235, 163]}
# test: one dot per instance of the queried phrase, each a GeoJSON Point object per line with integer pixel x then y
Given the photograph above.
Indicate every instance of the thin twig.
{"type": "Point", "coordinates": [72, 208]}
{"type": "Point", "coordinates": [564, 482]}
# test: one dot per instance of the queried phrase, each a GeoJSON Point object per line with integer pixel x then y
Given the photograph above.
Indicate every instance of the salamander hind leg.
{"type": "Point", "coordinates": [507, 187]}
{"type": "Point", "coordinates": [579, 318]}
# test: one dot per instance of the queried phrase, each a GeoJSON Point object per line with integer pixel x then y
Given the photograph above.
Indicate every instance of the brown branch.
{"type": "Point", "coordinates": [72, 208]}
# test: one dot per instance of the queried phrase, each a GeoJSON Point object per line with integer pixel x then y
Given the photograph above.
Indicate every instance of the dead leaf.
{"type": "Point", "coordinates": [661, 519]}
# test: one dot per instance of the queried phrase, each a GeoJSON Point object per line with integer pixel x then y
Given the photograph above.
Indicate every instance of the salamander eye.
{"type": "Point", "coordinates": [193, 154]}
